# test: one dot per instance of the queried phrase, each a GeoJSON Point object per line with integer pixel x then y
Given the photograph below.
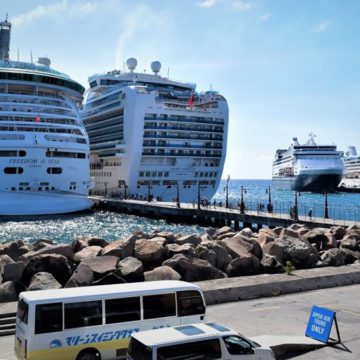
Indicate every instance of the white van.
{"type": "Point", "coordinates": [201, 341]}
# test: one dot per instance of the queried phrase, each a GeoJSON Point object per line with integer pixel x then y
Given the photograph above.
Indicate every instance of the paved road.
{"type": "Point", "coordinates": [283, 315]}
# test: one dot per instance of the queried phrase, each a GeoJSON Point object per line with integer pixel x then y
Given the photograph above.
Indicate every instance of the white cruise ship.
{"type": "Point", "coordinates": [308, 167]}
{"type": "Point", "coordinates": [44, 148]}
{"type": "Point", "coordinates": [351, 179]}
{"type": "Point", "coordinates": [154, 138]}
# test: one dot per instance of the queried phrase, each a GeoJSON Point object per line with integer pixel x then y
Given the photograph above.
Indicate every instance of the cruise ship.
{"type": "Point", "coordinates": [44, 148]}
{"type": "Point", "coordinates": [308, 167]}
{"type": "Point", "coordinates": [351, 179]}
{"type": "Point", "coordinates": [154, 138]}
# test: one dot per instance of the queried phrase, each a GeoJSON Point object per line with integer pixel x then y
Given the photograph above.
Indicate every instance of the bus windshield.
{"type": "Point", "coordinates": [139, 351]}
{"type": "Point", "coordinates": [22, 311]}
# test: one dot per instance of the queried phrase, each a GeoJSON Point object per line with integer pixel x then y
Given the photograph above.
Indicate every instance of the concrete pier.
{"type": "Point", "coordinates": [209, 216]}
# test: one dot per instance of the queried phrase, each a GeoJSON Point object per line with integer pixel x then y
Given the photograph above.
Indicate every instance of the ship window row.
{"type": "Point", "coordinates": [42, 79]}
{"type": "Point", "coordinates": [170, 184]}
{"type": "Point", "coordinates": [65, 139]}
{"type": "Point", "coordinates": [12, 153]}
{"type": "Point", "coordinates": [162, 152]}
{"type": "Point", "coordinates": [65, 154]}
{"type": "Point", "coordinates": [197, 119]}
{"type": "Point", "coordinates": [206, 174]}
{"type": "Point", "coordinates": [119, 120]}
{"type": "Point", "coordinates": [11, 170]}
{"type": "Point", "coordinates": [28, 188]}
{"type": "Point", "coordinates": [190, 136]}
{"type": "Point", "coordinates": [101, 173]}
{"type": "Point", "coordinates": [105, 131]}
{"type": "Point", "coordinates": [35, 109]}
{"type": "Point", "coordinates": [166, 174]}
{"type": "Point", "coordinates": [104, 100]}
{"type": "Point", "coordinates": [217, 129]}
{"type": "Point", "coordinates": [41, 129]}
{"type": "Point", "coordinates": [89, 118]}
{"type": "Point", "coordinates": [32, 101]}
{"type": "Point", "coordinates": [153, 143]}
{"type": "Point", "coordinates": [42, 119]}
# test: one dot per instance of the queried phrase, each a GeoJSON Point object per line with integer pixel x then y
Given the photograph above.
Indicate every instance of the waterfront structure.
{"type": "Point", "coordinates": [152, 137]}
{"type": "Point", "coordinates": [308, 167]}
{"type": "Point", "coordinates": [44, 148]}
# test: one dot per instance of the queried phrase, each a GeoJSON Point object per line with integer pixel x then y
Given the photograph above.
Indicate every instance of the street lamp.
{"type": "Point", "coordinates": [198, 199]}
{"type": "Point", "coordinates": [242, 205]}
{"type": "Point", "coordinates": [125, 194]}
{"type": "Point", "coordinates": [177, 195]}
{"type": "Point", "coordinates": [269, 206]}
{"type": "Point", "coordinates": [149, 194]}
{"type": "Point", "coordinates": [227, 192]}
{"type": "Point", "coordinates": [326, 208]}
{"type": "Point", "coordinates": [296, 212]}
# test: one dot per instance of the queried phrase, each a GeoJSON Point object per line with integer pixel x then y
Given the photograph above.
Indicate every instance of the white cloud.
{"type": "Point", "coordinates": [240, 5]}
{"type": "Point", "coordinates": [71, 8]}
{"type": "Point", "coordinates": [207, 3]}
{"type": "Point", "coordinates": [320, 27]}
{"type": "Point", "coordinates": [265, 17]}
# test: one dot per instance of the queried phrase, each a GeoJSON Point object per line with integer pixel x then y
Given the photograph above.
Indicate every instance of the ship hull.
{"type": "Point", "coordinates": [318, 183]}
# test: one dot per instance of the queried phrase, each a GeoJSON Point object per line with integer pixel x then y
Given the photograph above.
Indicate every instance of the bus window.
{"type": "Point", "coordinates": [87, 313]}
{"type": "Point", "coordinates": [48, 318]}
{"type": "Point", "coordinates": [157, 306]}
{"type": "Point", "coordinates": [190, 303]}
{"type": "Point", "coordinates": [22, 311]}
{"type": "Point", "coordinates": [122, 310]}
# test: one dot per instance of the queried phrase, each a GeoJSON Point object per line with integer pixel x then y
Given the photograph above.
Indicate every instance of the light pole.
{"type": "Point", "coordinates": [227, 192]}
{"type": "Point", "coordinates": [198, 197]}
{"type": "Point", "coordinates": [242, 205]}
{"type": "Point", "coordinates": [177, 195]}
{"type": "Point", "coordinates": [326, 209]}
{"type": "Point", "coordinates": [296, 213]}
{"type": "Point", "coordinates": [125, 194]}
{"type": "Point", "coordinates": [149, 194]}
{"type": "Point", "coordinates": [269, 206]}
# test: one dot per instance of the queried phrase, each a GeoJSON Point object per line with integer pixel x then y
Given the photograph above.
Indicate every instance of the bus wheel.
{"type": "Point", "coordinates": [89, 354]}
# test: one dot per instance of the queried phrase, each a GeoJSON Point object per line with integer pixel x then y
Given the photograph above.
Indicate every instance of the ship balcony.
{"type": "Point", "coordinates": [170, 128]}
{"type": "Point", "coordinates": [185, 137]}
{"type": "Point", "coordinates": [177, 154]}
{"type": "Point", "coordinates": [183, 146]}
{"type": "Point", "coordinates": [184, 120]}
{"type": "Point", "coordinates": [105, 123]}
{"type": "Point", "coordinates": [36, 103]}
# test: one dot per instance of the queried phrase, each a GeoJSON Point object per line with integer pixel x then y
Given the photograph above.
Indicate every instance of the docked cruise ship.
{"type": "Point", "coordinates": [44, 148]}
{"type": "Point", "coordinates": [308, 167]}
{"type": "Point", "coordinates": [351, 179]}
{"type": "Point", "coordinates": [154, 138]}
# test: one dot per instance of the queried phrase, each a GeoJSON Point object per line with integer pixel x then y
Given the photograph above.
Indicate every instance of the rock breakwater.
{"type": "Point", "coordinates": [160, 255]}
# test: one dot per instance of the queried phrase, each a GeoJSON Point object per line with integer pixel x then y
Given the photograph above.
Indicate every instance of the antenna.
{"type": "Point", "coordinates": [6, 17]}
{"type": "Point", "coordinates": [211, 87]}
{"type": "Point", "coordinates": [18, 56]}
{"type": "Point", "coordinates": [168, 74]}
{"type": "Point", "coordinates": [31, 57]}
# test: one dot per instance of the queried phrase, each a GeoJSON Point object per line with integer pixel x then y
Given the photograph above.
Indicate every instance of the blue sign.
{"type": "Point", "coordinates": [320, 323]}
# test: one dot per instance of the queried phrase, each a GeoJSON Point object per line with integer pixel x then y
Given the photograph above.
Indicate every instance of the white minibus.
{"type": "Point", "coordinates": [209, 341]}
{"type": "Point", "coordinates": [96, 322]}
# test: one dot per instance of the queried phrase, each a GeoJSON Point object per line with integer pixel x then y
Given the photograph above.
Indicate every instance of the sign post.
{"type": "Point", "coordinates": [320, 324]}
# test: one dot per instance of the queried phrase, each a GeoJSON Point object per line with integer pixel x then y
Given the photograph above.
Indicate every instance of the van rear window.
{"type": "Point", "coordinates": [139, 351]}
{"type": "Point", "coordinates": [23, 311]}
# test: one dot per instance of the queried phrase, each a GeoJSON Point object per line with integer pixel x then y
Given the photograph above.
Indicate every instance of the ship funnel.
{"type": "Point", "coordinates": [44, 61]}
{"type": "Point", "coordinates": [5, 30]}
{"type": "Point", "coordinates": [351, 151]}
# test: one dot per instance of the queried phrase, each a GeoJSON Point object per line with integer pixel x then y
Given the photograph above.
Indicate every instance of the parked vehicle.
{"type": "Point", "coordinates": [96, 322]}
{"type": "Point", "coordinates": [201, 341]}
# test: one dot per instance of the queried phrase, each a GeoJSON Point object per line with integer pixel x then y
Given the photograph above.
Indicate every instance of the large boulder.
{"type": "Point", "coordinates": [265, 236]}
{"type": "Point", "coordinates": [288, 232]}
{"type": "Point", "coordinates": [43, 281]}
{"type": "Point", "coordinates": [57, 265]}
{"type": "Point", "coordinates": [148, 251]}
{"type": "Point", "coordinates": [60, 249]}
{"type": "Point", "coordinates": [222, 257]}
{"type": "Point", "coordinates": [338, 231]}
{"type": "Point", "coordinates": [87, 252]}
{"type": "Point", "coordinates": [247, 264]}
{"type": "Point", "coordinates": [162, 273]}
{"type": "Point", "coordinates": [276, 249]}
{"type": "Point", "coordinates": [41, 243]}
{"type": "Point", "coordinates": [317, 236]}
{"type": "Point", "coordinates": [101, 265]}
{"type": "Point", "coordinates": [333, 257]}
{"type": "Point", "coordinates": [8, 292]}
{"type": "Point", "coordinates": [351, 242]}
{"type": "Point", "coordinates": [108, 279]}
{"type": "Point", "coordinates": [121, 248]}
{"type": "Point", "coordinates": [205, 253]}
{"type": "Point", "coordinates": [188, 239]}
{"type": "Point", "coordinates": [240, 245]}
{"type": "Point", "coordinates": [246, 232]}
{"type": "Point", "coordinates": [168, 236]}
{"type": "Point", "coordinates": [193, 269]}
{"type": "Point", "coordinates": [84, 241]}
{"type": "Point", "coordinates": [82, 276]}
{"type": "Point", "coordinates": [271, 265]}
{"type": "Point", "coordinates": [14, 271]}
{"type": "Point", "coordinates": [131, 269]}
{"type": "Point", "coordinates": [222, 231]}
{"type": "Point", "coordinates": [350, 255]}
{"type": "Point", "coordinates": [173, 249]}
{"type": "Point", "coordinates": [14, 249]}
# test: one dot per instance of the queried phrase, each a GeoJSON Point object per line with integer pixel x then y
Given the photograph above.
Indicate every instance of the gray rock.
{"type": "Point", "coordinates": [351, 242]}
{"type": "Point", "coordinates": [265, 236]}
{"type": "Point", "coordinates": [240, 245]}
{"type": "Point", "coordinates": [338, 231]}
{"type": "Point", "coordinates": [148, 251]}
{"type": "Point", "coordinates": [295, 227]}
{"type": "Point", "coordinates": [333, 257]}
{"type": "Point", "coordinates": [82, 276]}
{"type": "Point", "coordinates": [87, 252]}
{"type": "Point", "coordinates": [162, 273]}
{"type": "Point", "coordinates": [210, 231]}
{"type": "Point", "coordinates": [109, 279]}
{"type": "Point", "coordinates": [121, 248]}
{"type": "Point", "coordinates": [39, 244]}
{"type": "Point", "coordinates": [247, 264]}
{"type": "Point", "coordinates": [193, 269]}
{"type": "Point", "coordinates": [168, 236]}
{"type": "Point", "coordinates": [226, 235]}
{"type": "Point", "coordinates": [276, 249]}
{"type": "Point", "coordinates": [173, 249]}
{"type": "Point", "coordinates": [271, 264]}
{"type": "Point", "coordinates": [277, 230]}
{"type": "Point", "coordinates": [350, 255]}
{"type": "Point", "coordinates": [14, 271]}
{"type": "Point", "coordinates": [60, 249]}
{"type": "Point", "coordinates": [14, 249]}
{"type": "Point", "coordinates": [205, 253]}
{"type": "Point", "coordinates": [57, 265]}
{"type": "Point", "coordinates": [287, 232]}
{"type": "Point", "coordinates": [247, 232]}
{"type": "Point", "coordinates": [222, 231]}
{"type": "Point", "coordinates": [318, 237]}
{"type": "Point", "coordinates": [8, 292]}
{"type": "Point", "coordinates": [222, 257]}
{"type": "Point", "coordinates": [84, 241]}
{"type": "Point", "coordinates": [130, 267]}
{"type": "Point", "coordinates": [101, 265]}
{"type": "Point", "coordinates": [188, 239]}
{"type": "Point", "coordinates": [43, 281]}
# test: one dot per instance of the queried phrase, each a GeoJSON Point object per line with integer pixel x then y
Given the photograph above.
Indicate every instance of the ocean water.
{"type": "Point", "coordinates": [112, 226]}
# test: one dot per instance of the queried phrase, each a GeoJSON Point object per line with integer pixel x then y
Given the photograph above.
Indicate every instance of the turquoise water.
{"type": "Point", "coordinates": [112, 226]}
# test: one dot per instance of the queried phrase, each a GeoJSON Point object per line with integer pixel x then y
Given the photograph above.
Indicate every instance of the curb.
{"type": "Point", "coordinates": [253, 287]}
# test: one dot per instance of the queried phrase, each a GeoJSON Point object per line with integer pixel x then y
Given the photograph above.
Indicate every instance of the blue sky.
{"type": "Point", "coordinates": [287, 68]}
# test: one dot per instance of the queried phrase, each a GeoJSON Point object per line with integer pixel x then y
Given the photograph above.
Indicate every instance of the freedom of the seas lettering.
{"type": "Point", "coordinates": [32, 161]}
